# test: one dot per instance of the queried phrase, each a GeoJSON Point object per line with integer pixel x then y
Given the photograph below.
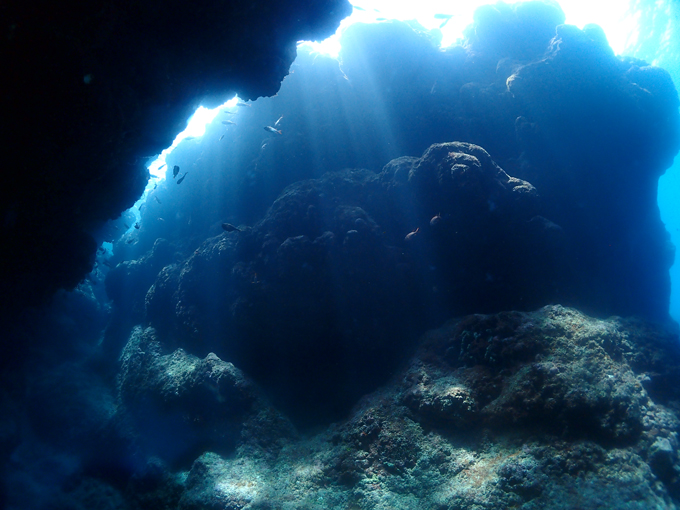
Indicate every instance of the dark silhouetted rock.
{"type": "Point", "coordinates": [325, 289]}
{"type": "Point", "coordinates": [91, 92]}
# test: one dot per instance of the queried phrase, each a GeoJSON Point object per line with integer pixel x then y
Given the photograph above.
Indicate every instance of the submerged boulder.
{"type": "Point", "coordinates": [181, 405]}
{"type": "Point", "coordinates": [343, 270]}
{"type": "Point", "coordinates": [544, 409]}
{"type": "Point", "coordinates": [554, 370]}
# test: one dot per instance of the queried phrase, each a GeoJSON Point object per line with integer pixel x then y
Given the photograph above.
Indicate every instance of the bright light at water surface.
{"type": "Point", "coordinates": [451, 18]}
{"type": "Point", "coordinates": [195, 129]}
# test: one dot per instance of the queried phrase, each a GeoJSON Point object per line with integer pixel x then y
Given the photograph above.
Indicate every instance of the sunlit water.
{"type": "Point", "coordinates": [619, 21]}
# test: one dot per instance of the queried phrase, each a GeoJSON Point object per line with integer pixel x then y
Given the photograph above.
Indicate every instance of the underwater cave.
{"type": "Point", "coordinates": [367, 255]}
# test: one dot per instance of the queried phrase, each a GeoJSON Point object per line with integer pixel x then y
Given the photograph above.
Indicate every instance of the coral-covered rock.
{"type": "Point", "coordinates": [553, 369]}
{"type": "Point", "coordinates": [433, 438]}
{"type": "Point", "coordinates": [181, 404]}
{"type": "Point", "coordinates": [216, 483]}
{"type": "Point", "coordinates": [330, 284]}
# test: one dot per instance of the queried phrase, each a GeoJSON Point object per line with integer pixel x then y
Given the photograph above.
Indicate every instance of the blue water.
{"type": "Point", "coordinates": [669, 205]}
{"type": "Point", "coordinates": [658, 42]}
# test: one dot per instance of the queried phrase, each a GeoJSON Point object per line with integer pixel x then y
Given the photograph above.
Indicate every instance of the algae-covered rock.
{"type": "Point", "coordinates": [513, 410]}
{"type": "Point", "coordinates": [554, 369]}
{"type": "Point", "coordinates": [336, 280]}
{"type": "Point", "coordinates": [181, 404]}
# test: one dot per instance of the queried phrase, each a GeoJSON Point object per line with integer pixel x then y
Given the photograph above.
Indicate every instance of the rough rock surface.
{"type": "Point", "coordinates": [327, 288]}
{"type": "Point", "coordinates": [90, 92]}
{"type": "Point", "coordinates": [546, 409]}
{"type": "Point", "coordinates": [181, 405]}
{"type": "Point", "coordinates": [128, 282]}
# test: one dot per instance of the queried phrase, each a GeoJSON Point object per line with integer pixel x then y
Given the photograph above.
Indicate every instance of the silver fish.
{"type": "Point", "coordinates": [409, 237]}
{"type": "Point", "coordinates": [228, 227]}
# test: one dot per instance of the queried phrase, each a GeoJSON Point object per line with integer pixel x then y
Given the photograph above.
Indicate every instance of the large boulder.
{"type": "Point", "coordinates": [180, 405]}
{"type": "Point", "coordinates": [544, 409]}
{"type": "Point", "coordinates": [318, 300]}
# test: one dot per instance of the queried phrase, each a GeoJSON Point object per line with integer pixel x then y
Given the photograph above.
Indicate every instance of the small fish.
{"type": "Point", "coordinates": [381, 19]}
{"type": "Point", "coordinates": [179, 181]}
{"type": "Point", "coordinates": [241, 103]}
{"type": "Point", "coordinates": [161, 219]}
{"type": "Point", "coordinates": [227, 122]}
{"type": "Point", "coordinates": [154, 187]}
{"type": "Point", "coordinates": [142, 205]}
{"type": "Point", "coordinates": [445, 17]}
{"type": "Point", "coordinates": [228, 227]}
{"type": "Point", "coordinates": [411, 235]}
{"type": "Point", "coordinates": [137, 225]}
{"type": "Point", "coordinates": [435, 219]}
{"type": "Point", "coordinates": [130, 241]}
{"type": "Point", "coordinates": [126, 225]}
{"type": "Point", "coordinates": [276, 124]}
{"type": "Point", "coordinates": [228, 112]}
{"type": "Point", "coordinates": [434, 87]}
{"type": "Point", "coordinates": [272, 130]}
{"type": "Point", "coordinates": [221, 137]}
{"type": "Point", "coordinates": [157, 199]}
{"type": "Point", "coordinates": [175, 171]}
{"type": "Point", "coordinates": [358, 8]}
{"type": "Point", "coordinates": [164, 164]}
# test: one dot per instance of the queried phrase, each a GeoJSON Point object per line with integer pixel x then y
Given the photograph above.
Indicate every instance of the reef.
{"type": "Point", "coordinates": [544, 409]}
{"type": "Point", "coordinates": [333, 259]}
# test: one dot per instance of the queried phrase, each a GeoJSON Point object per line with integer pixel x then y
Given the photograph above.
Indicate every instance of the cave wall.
{"type": "Point", "coordinates": [91, 91]}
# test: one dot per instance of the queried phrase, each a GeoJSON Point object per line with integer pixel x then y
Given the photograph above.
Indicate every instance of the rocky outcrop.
{"type": "Point", "coordinates": [545, 409]}
{"type": "Point", "coordinates": [519, 88]}
{"type": "Point", "coordinates": [128, 282]}
{"type": "Point", "coordinates": [181, 405]}
{"type": "Point", "coordinates": [332, 283]}
{"type": "Point", "coordinates": [554, 370]}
